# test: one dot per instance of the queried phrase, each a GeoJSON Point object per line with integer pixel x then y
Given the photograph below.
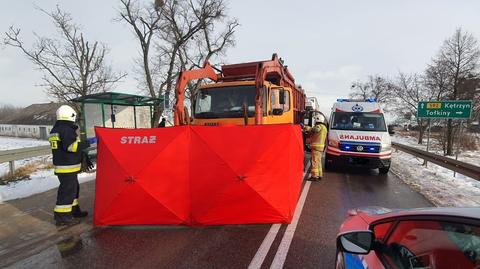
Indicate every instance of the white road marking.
{"type": "Point", "coordinates": [262, 251]}
{"type": "Point", "coordinates": [264, 247]}
{"type": "Point", "coordinates": [282, 251]}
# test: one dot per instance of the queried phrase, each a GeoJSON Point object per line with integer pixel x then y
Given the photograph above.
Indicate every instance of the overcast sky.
{"type": "Point", "coordinates": [326, 44]}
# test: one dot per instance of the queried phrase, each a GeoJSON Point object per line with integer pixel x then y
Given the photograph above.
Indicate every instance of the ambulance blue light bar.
{"type": "Point", "coordinates": [370, 100]}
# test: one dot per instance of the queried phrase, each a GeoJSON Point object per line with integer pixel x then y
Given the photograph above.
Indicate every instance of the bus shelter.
{"type": "Point", "coordinates": [115, 110]}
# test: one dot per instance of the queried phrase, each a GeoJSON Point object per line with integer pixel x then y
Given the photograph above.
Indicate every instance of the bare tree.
{"type": "Point", "coordinates": [376, 87]}
{"type": "Point", "coordinates": [8, 110]}
{"type": "Point", "coordinates": [173, 29]}
{"type": "Point", "coordinates": [459, 58]}
{"type": "Point", "coordinates": [408, 90]}
{"type": "Point", "coordinates": [72, 66]}
{"type": "Point", "coordinates": [145, 21]}
{"type": "Point", "coordinates": [209, 45]}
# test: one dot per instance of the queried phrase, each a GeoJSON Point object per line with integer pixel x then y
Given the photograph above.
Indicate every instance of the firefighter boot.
{"type": "Point", "coordinates": [78, 213]}
{"type": "Point", "coordinates": [64, 218]}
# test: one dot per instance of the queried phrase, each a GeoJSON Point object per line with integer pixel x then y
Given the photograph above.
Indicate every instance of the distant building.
{"type": "Point", "coordinates": [34, 121]}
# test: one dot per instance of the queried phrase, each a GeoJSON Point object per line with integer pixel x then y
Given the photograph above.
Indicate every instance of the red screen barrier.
{"type": "Point", "coordinates": [198, 175]}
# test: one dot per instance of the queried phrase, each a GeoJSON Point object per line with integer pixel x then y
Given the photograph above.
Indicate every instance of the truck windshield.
{"type": "Point", "coordinates": [225, 102]}
{"type": "Point", "coordinates": [358, 121]}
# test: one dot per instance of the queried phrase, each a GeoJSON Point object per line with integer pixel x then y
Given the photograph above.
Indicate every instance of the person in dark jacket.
{"type": "Point", "coordinates": [67, 151]}
{"type": "Point", "coordinates": [162, 123]}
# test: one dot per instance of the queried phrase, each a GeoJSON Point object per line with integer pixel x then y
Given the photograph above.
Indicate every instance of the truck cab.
{"type": "Point", "coordinates": [262, 92]}
{"type": "Point", "coordinates": [358, 135]}
{"type": "Point", "coordinates": [233, 103]}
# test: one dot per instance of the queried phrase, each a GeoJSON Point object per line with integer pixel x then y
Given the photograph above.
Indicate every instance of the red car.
{"type": "Point", "coordinates": [442, 238]}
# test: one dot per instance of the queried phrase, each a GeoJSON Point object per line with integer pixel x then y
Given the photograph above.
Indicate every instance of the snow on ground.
{"type": "Point", "coordinates": [40, 181]}
{"type": "Point", "coordinates": [435, 182]}
{"type": "Point", "coordinates": [8, 143]}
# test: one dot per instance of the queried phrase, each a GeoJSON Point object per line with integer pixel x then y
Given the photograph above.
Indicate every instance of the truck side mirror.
{"type": "Point", "coordinates": [281, 98]}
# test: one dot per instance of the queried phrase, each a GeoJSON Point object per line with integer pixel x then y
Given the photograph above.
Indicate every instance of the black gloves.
{"type": "Point", "coordinates": [87, 165]}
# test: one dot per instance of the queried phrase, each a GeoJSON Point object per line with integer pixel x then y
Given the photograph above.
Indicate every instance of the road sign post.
{"type": "Point", "coordinates": [458, 109]}
{"type": "Point", "coordinates": [428, 141]}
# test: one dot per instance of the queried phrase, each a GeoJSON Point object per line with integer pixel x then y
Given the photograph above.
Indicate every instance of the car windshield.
{"type": "Point", "coordinates": [358, 121]}
{"type": "Point", "coordinates": [225, 102]}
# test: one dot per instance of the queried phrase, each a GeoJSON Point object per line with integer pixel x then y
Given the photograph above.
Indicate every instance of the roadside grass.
{"type": "Point", "coordinates": [24, 172]}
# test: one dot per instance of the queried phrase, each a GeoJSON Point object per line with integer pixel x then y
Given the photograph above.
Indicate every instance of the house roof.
{"type": "Point", "coordinates": [36, 114]}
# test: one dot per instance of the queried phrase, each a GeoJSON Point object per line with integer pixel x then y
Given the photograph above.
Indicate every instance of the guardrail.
{"type": "Point", "coordinates": [466, 169]}
{"type": "Point", "coordinates": [19, 154]}
{"type": "Point", "coordinates": [13, 155]}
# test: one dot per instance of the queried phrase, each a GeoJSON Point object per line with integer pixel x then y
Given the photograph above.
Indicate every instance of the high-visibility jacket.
{"type": "Point", "coordinates": [318, 134]}
{"type": "Point", "coordinates": [66, 147]}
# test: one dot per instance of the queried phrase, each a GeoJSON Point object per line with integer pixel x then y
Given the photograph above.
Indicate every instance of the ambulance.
{"type": "Point", "coordinates": [358, 135]}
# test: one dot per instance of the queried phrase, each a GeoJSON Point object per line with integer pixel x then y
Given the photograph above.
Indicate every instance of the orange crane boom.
{"type": "Point", "coordinates": [180, 112]}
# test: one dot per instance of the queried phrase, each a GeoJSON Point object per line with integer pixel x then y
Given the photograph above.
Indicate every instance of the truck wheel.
{"type": "Point", "coordinates": [384, 170]}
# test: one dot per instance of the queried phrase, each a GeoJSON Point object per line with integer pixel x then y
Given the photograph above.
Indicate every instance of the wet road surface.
{"type": "Point", "coordinates": [312, 246]}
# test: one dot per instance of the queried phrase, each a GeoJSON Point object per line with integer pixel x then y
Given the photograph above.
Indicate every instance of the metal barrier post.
{"type": "Point", "coordinates": [11, 164]}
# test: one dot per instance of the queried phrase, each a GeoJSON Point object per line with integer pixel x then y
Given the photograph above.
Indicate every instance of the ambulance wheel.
{"type": "Point", "coordinates": [384, 170]}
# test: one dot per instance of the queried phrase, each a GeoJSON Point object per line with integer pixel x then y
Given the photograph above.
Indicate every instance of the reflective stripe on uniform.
{"type": "Point", "coordinates": [57, 135]}
{"type": "Point", "coordinates": [74, 146]}
{"type": "Point", "coordinates": [75, 202]}
{"type": "Point", "coordinates": [63, 208]}
{"type": "Point", "coordinates": [53, 139]}
{"type": "Point", "coordinates": [62, 169]}
{"type": "Point", "coordinates": [318, 147]}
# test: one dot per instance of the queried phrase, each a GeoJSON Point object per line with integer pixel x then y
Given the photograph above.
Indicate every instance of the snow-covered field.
{"type": "Point", "coordinates": [40, 181]}
{"type": "Point", "coordinates": [436, 183]}
{"type": "Point", "coordinates": [17, 143]}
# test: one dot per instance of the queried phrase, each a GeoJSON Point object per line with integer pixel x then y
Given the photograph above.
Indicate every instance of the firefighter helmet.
{"type": "Point", "coordinates": [66, 113]}
{"type": "Point", "coordinates": [319, 118]}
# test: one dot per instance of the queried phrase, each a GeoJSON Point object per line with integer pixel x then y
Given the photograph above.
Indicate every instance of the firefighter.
{"type": "Point", "coordinates": [317, 135]}
{"type": "Point", "coordinates": [67, 151]}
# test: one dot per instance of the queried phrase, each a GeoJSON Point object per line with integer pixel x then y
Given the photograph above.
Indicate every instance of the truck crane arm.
{"type": "Point", "coordinates": [184, 78]}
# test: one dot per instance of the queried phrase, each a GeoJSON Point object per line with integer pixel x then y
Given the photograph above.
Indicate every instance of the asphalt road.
{"type": "Point", "coordinates": [312, 245]}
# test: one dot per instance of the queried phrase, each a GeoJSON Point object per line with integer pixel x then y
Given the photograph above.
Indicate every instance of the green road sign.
{"type": "Point", "coordinates": [445, 109]}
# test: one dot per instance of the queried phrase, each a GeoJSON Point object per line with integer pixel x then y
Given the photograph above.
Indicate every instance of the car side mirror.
{"type": "Point", "coordinates": [277, 111]}
{"type": "Point", "coordinates": [358, 242]}
{"type": "Point", "coordinates": [390, 130]}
